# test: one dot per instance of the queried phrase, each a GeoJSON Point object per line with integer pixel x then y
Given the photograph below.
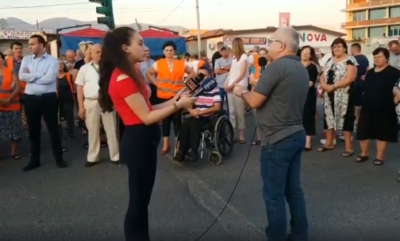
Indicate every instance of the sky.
{"type": "Point", "coordinates": [214, 14]}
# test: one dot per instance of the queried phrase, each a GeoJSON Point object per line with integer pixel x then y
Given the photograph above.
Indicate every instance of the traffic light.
{"type": "Point", "coordinates": [106, 9]}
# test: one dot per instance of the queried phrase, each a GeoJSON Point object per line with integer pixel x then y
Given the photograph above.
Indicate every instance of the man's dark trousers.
{"type": "Point", "coordinates": [280, 172]}
{"type": "Point", "coordinates": [46, 106]}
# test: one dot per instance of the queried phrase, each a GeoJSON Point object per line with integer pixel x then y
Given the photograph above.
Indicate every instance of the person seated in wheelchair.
{"type": "Point", "coordinates": [207, 105]}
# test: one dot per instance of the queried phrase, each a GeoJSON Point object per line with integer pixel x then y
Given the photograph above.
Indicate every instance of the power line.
{"type": "Point", "coordinates": [174, 10]}
{"type": "Point", "coordinates": [43, 6]}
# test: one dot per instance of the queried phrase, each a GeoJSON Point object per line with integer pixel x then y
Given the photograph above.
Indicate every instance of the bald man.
{"type": "Point", "coordinates": [284, 85]}
{"type": "Point", "coordinates": [70, 59]}
{"type": "Point", "coordinates": [87, 82]}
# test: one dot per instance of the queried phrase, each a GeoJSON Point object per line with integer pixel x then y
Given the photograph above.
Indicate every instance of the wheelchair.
{"type": "Point", "coordinates": [217, 137]}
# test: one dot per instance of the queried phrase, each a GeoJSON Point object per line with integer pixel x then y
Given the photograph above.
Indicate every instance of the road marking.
{"type": "Point", "coordinates": [231, 220]}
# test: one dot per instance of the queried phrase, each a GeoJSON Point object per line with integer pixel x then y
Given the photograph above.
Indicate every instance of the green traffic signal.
{"type": "Point", "coordinates": [106, 9]}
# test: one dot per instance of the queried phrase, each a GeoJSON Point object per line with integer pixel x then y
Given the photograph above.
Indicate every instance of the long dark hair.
{"type": "Point", "coordinates": [113, 56]}
{"type": "Point", "coordinates": [313, 56]}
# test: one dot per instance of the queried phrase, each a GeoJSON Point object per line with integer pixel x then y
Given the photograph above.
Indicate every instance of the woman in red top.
{"type": "Point", "coordinates": [123, 87]}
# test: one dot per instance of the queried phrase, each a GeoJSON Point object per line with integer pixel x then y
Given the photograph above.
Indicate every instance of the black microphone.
{"type": "Point", "coordinates": [208, 85]}
{"type": "Point", "coordinates": [194, 83]}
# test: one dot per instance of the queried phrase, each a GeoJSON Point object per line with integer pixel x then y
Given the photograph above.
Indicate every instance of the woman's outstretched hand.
{"type": "Point", "coordinates": [185, 101]}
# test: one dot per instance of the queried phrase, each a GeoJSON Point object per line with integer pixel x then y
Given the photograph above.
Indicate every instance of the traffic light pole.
{"type": "Point", "coordinates": [106, 9]}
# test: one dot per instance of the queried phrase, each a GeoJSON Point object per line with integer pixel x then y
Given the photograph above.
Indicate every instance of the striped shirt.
{"type": "Point", "coordinates": [207, 99]}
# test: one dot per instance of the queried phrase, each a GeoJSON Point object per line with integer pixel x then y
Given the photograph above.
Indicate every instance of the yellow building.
{"type": "Point", "coordinates": [367, 19]}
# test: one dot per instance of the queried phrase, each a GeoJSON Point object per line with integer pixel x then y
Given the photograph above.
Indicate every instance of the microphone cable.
{"type": "Point", "coordinates": [233, 191]}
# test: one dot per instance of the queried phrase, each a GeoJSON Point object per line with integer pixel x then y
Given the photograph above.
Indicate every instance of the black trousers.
{"type": "Point", "coordinates": [175, 119]}
{"type": "Point", "coordinates": [45, 106]}
{"type": "Point", "coordinates": [138, 150]}
{"type": "Point", "coordinates": [189, 137]}
{"type": "Point", "coordinates": [67, 110]}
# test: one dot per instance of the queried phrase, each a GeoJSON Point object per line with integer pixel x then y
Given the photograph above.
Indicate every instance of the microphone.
{"type": "Point", "coordinates": [193, 84]}
{"type": "Point", "coordinates": [207, 85]}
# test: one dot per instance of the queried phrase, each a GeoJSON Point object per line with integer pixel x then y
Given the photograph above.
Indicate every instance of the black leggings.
{"type": "Point", "coordinates": [138, 150]}
{"type": "Point", "coordinates": [176, 120]}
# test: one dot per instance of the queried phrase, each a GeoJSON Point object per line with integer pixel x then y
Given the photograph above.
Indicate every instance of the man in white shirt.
{"type": "Point", "coordinates": [87, 83]}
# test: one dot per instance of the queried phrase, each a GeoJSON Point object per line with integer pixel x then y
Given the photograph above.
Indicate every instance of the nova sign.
{"type": "Point", "coordinates": [312, 37]}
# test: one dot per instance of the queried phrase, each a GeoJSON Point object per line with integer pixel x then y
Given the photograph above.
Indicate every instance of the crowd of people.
{"type": "Point", "coordinates": [120, 77]}
{"type": "Point", "coordinates": [345, 82]}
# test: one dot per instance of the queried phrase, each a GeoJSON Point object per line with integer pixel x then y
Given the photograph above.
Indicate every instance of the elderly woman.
{"type": "Point", "coordinates": [10, 107]}
{"type": "Point", "coordinates": [337, 83]}
{"type": "Point", "coordinates": [378, 118]}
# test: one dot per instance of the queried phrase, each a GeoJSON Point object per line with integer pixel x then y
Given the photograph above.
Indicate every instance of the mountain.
{"type": "Point", "coordinates": [50, 25]}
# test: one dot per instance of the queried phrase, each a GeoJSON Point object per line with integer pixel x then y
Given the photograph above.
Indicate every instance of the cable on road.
{"type": "Point", "coordinates": [176, 8]}
{"type": "Point", "coordinates": [233, 191]}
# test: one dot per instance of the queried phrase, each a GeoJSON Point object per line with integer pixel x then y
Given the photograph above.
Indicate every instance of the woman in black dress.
{"type": "Point", "coordinates": [378, 118]}
{"type": "Point", "coordinates": [309, 60]}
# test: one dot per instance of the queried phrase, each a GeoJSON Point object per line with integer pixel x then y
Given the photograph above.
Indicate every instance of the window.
{"type": "Point", "coordinates": [394, 12]}
{"type": "Point", "coordinates": [377, 14]}
{"type": "Point", "coordinates": [359, 16]}
{"type": "Point", "coordinates": [377, 32]}
{"type": "Point", "coordinates": [358, 33]}
{"type": "Point", "coordinates": [394, 30]}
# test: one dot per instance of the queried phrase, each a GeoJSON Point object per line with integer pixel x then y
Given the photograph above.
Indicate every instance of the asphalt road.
{"type": "Point", "coordinates": [345, 200]}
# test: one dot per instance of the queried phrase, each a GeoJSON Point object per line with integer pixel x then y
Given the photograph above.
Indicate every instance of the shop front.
{"type": "Point", "coordinates": [7, 37]}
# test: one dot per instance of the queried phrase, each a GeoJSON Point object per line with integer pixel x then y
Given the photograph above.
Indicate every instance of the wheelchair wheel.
{"type": "Point", "coordinates": [214, 158]}
{"type": "Point", "coordinates": [223, 136]}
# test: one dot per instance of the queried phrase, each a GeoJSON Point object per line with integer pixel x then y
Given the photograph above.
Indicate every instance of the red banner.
{"type": "Point", "coordinates": [284, 19]}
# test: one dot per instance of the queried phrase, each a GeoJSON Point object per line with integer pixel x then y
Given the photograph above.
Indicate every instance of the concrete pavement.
{"type": "Point", "coordinates": [346, 200]}
{"type": "Point", "coordinates": [81, 204]}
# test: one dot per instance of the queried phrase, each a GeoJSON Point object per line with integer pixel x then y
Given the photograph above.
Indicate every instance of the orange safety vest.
{"type": "Point", "coordinates": [257, 67]}
{"type": "Point", "coordinates": [7, 88]}
{"type": "Point", "coordinates": [169, 82]}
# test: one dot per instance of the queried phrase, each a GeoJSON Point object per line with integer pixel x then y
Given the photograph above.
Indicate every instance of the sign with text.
{"type": "Point", "coordinates": [16, 34]}
{"type": "Point", "coordinates": [284, 19]}
{"type": "Point", "coordinates": [312, 37]}
{"type": "Point", "coordinates": [248, 40]}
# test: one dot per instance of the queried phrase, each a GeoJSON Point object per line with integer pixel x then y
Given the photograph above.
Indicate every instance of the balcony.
{"type": "Point", "coordinates": [371, 4]}
{"type": "Point", "coordinates": [372, 23]}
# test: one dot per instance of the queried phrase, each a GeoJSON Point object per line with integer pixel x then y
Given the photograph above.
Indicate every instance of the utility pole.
{"type": "Point", "coordinates": [198, 27]}
{"type": "Point", "coordinates": [139, 27]}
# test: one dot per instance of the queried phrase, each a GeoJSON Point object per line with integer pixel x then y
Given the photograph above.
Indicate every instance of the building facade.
{"type": "Point", "coordinates": [319, 38]}
{"type": "Point", "coordinates": [367, 19]}
{"type": "Point", "coordinates": [7, 37]}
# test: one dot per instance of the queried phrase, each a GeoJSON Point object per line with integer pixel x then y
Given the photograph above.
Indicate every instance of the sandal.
{"type": "Point", "coordinates": [347, 153]}
{"type": "Point", "coordinates": [256, 143]}
{"type": "Point", "coordinates": [63, 149]}
{"type": "Point", "coordinates": [378, 162]}
{"type": "Point", "coordinates": [324, 149]}
{"type": "Point", "coordinates": [361, 158]}
{"type": "Point", "coordinates": [242, 141]}
{"type": "Point", "coordinates": [16, 156]}
{"type": "Point", "coordinates": [307, 148]}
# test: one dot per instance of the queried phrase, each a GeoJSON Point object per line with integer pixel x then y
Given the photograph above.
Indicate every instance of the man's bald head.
{"type": "Point", "coordinates": [70, 56]}
{"type": "Point", "coordinates": [95, 52]}
{"type": "Point", "coordinates": [289, 36]}
{"type": "Point", "coordinates": [285, 42]}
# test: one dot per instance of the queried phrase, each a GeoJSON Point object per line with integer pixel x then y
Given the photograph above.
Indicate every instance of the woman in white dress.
{"type": "Point", "coordinates": [239, 74]}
